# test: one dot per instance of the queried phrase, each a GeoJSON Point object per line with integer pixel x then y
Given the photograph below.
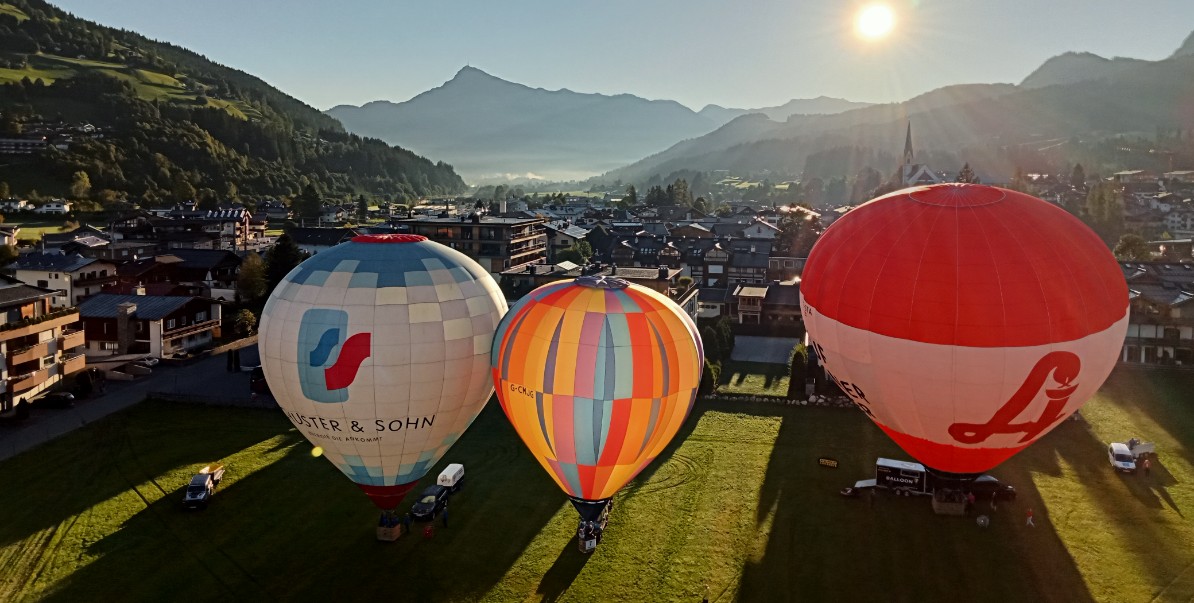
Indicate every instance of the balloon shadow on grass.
{"type": "Point", "coordinates": [563, 572]}
{"type": "Point", "coordinates": [814, 543]}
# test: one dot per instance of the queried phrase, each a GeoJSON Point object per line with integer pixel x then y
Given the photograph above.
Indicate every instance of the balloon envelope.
{"type": "Point", "coordinates": [378, 351]}
{"type": "Point", "coordinates": [596, 375]}
{"type": "Point", "coordinates": [966, 320]}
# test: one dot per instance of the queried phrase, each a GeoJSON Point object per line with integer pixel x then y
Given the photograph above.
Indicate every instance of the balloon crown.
{"type": "Point", "coordinates": [389, 238]}
{"type": "Point", "coordinates": [601, 282]}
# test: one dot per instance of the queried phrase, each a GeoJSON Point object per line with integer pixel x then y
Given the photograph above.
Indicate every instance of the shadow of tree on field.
{"type": "Point", "coordinates": [64, 478]}
{"type": "Point", "coordinates": [297, 529]}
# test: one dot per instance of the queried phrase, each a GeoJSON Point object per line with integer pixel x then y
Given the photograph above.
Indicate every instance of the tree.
{"type": "Point", "coordinates": [726, 331]}
{"type": "Point", "coordinates": [967, 175]}
{"type": "Point", "coordinates": [362, 209]}
{"type": "Point", "coordinates": [244, 322]}
{"type": "Point", "coordinates": [4, 191]}
{"type": "Point", "coordinates": [80, 185]}
{"type": "Point", "coordinates": [711, 343]}
{"type": "Point", "coordinates": [181, 187]}
{"type": "Point", "coordinates": [656, 197]}
{"type": "Point", "coordinates": [281, 259]}
{"type": "Point", "coordinates": [1132, 247]}
{"type": "Point", "coordinates": [8, 253]}
{"type": "Point", "coordinates": [709, 377]}
{"type": "Point", "coordinates": [631, 198]}
{"type": "Point", "coordinates": [1078, 177]}
{"type": "Point", "coordinates": [309, 203]}
{"type": "Point", "coordinates": [701, 205]}
{"type": "Point", "coordinates": [798, 367]}
{"type": "Point", "coordinates": [207, 200]}
{"type": "Point", "coordinates": [679, 193]}
{"type": "Point", "coordinates": [578, 253]}
{"type": "Point", "coordinates": [251, 282]}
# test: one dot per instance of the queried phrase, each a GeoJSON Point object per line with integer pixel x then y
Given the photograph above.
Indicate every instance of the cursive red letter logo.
{"type": "Point", "coordinates": [1065, 367]}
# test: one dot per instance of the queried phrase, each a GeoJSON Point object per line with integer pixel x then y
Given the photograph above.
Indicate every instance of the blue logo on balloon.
{"type": "Point", "coordinates": [328, 358]}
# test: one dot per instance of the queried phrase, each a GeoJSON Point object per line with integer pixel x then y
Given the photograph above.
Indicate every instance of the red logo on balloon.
{"type": "Point", "coordinates": [1064, 367]}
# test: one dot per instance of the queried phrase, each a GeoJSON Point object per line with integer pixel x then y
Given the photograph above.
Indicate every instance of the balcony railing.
{"type": "Point", "coordinates": [71, 339]}
{"type": "Point", "coordinates": [32, 352]}
{"type": "Point", "coordinates": [30, 380]}
{"type": "Point", "coordinates": [73, 363]}
{"type": "Point", "coordinates": [190, 329]}
{"type": "Point", "coordinates": [48, 320]}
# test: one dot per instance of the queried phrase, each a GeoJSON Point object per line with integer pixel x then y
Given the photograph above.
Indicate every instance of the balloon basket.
{"type": "Point", "coordinates": [390, 534]}
{"type": "Point", "coordinates": [588, 532]}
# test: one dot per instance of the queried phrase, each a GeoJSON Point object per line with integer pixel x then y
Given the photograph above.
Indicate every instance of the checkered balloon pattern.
{"type": "Point", "coordinates": [378, 352]}
{"type": "Point", "coordinates": [596, 377]}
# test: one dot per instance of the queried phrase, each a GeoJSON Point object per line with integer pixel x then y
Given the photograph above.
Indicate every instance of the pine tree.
{"type": "Point", "coordinates": [281, 259]}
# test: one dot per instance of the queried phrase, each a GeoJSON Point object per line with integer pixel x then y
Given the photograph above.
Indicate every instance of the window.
{"type": "Point", "coordinates": [109, 345]}
{"type": "Point", "coordinates": [170, 324]}
{"type": "Point", "coordinates": [200, 316]}
{"type": "Point", "coordinates": [43, 284]}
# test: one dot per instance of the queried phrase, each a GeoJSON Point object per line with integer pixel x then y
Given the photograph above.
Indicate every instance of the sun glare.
{"type": "Point", "coordinates": [875, 21]}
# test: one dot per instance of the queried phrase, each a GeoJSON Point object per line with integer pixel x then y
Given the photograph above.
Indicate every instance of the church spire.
{"type": "Point", "coordinates": [908, 145]}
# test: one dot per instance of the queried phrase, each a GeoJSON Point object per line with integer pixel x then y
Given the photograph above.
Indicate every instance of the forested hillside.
{"type": "Point", "coordinates": [170, 125]}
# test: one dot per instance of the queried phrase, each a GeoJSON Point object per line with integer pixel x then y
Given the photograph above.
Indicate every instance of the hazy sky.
{"type": "Point", "coordinates": [734, 53]}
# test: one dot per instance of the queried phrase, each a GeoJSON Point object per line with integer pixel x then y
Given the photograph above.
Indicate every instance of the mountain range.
{"type": "Point", "coordinates": [994, 127]}
{"type": "Point", "coordinates": [487, 127]}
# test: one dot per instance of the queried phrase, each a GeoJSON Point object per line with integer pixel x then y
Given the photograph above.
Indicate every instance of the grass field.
{"type": "Point", "coordinates": [32, 229]}
{"type": "Point", "coordinates": [14, 12]}
{"type": "Point", "coordinates": [737, 504]}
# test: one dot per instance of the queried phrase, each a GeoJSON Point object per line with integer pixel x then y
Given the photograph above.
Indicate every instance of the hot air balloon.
{"type": "Point", "coordinates": [378, 351]}
{"type": "Point", "coordinates": [596, 375]}
{"type": "Point", "coordinates": [965, 320]}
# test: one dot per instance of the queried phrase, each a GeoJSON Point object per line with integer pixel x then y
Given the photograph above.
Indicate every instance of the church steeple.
{"type": "Point", "coordinates": [908, 145]}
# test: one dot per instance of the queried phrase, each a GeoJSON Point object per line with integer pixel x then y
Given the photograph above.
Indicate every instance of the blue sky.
{"type": "Point", "coordinates": [739, 53]}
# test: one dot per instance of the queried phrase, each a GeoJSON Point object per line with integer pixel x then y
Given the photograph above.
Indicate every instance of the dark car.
{"type": "Point", "coordinates": [985, 485]}
{"type": "Point", "coordinates": [430, 503]}
{"type": "Point", "coordinates": [57, 400]}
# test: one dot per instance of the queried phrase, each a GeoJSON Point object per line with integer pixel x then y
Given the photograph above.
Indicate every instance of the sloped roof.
{"type": "Point", "coordinates": [321, 236]}
{"type": "Point", "coordinates": [783, 295]}
{"type": "Point", "coordinates": [149, 307]}
{"type": "Point", "coordinates": [56, 262]}
{"type": "Point", "coordinates": [13, 291]}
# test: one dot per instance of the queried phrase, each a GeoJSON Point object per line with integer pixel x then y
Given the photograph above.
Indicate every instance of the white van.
{"type": "Point", "coordinates": [1121, 458]}
{"type": "Point", "coordinates": [452, 477]}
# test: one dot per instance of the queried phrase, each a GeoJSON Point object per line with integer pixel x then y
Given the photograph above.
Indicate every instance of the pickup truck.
{"type": "Point", "coordinates": [203, 486]}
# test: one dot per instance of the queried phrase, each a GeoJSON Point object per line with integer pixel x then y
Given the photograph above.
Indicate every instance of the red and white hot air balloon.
{"type": "Point", "coordinates": [965, 320]}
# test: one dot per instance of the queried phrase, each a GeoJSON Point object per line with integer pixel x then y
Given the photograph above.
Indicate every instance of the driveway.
{"type": "Point", "coordinates": [206, 377]}
{"type": "Point", "coordinates": [771, 350]}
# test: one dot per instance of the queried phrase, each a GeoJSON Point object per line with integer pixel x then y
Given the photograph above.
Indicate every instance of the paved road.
{"type": "Point", "coordinates": [774, 350]}
{"type": "Point", "coordinates": [206, 377]}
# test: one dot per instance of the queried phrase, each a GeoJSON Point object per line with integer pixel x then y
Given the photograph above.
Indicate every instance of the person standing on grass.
{"type": "Point", "coordinates": [1147, 466]}
{"type": "Point", "coordinates": [1028, 516]}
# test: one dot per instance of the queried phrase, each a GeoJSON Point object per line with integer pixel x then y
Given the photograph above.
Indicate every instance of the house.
{"type": "Point", "coordinates": [13, 204]}
{"type": "Point", "coordinates": [915, 174]}
{"type": "Point", "coordinates": [9, 234]}
{"type": "Point", "coordinates": [155, 325]}
{"type": "Point", "coordinates": [40, 346]}
{"type": "Point", "coordinates": [313, 240]}
{"type": "Point", "coordinates": [748, 303]}
{"type": "Point", "coordinates": [784, 269]}
{"type": "Point", "coordinates": [561, 235]}
{"type": "Point", "coordinates": [522, 279]}
{"type": "Point", "coordinates": [761, 230]}
{"type": "Point", "coordinates": [497, 244]}
{"type": "Point", "coordinates": [212, 272]}
{"type": "Point", "coordinates": [1161, 315]}
{"type": "Point", "coordinates": [72, 277]}
{"type": "Point", "coordinates": [56, 206]}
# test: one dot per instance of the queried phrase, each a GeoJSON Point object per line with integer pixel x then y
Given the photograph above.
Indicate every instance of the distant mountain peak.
{"type": "Point", "coordinates": [1070, 67]}
{"type": "Point", "coordinates": [468, 71]}
{"type": "Point", "coordinates": [1186, 49]}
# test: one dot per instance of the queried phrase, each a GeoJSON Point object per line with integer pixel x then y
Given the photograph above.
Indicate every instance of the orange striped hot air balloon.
{"type": "Point", "coordinates": [596, 375]}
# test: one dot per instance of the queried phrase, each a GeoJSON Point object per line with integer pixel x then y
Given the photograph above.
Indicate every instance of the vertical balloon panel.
{"type": "Point", "coordinates": [378, 352]}
{"type": "Point", "coordinates": [597, 376]}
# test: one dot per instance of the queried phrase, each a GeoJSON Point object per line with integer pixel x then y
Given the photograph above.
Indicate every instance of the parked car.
{"type": "Point", "coordinates": [430, 503]}
{"type": "Point", "coordinates": [1121, 457]}
{"type": "Point", "coordinates": [985, 485]}
{"type": "Point", "coordinates": [203, 486]}
{"type": "Point", "coordinates": [56, 400]}
{"type": "Point", "coordinates": [149, 361]}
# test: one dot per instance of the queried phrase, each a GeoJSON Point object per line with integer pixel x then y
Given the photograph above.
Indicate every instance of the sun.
{"type": "Point", "coordinates": [874, 22]}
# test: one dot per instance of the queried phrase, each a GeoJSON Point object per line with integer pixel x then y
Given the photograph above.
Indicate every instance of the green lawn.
{"type": "Point", "coordinates": [738, 505]}
{"type": "Point", "coordinates": [755, 378]}
{"type": "Point", "coordinates": [32, 229]}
